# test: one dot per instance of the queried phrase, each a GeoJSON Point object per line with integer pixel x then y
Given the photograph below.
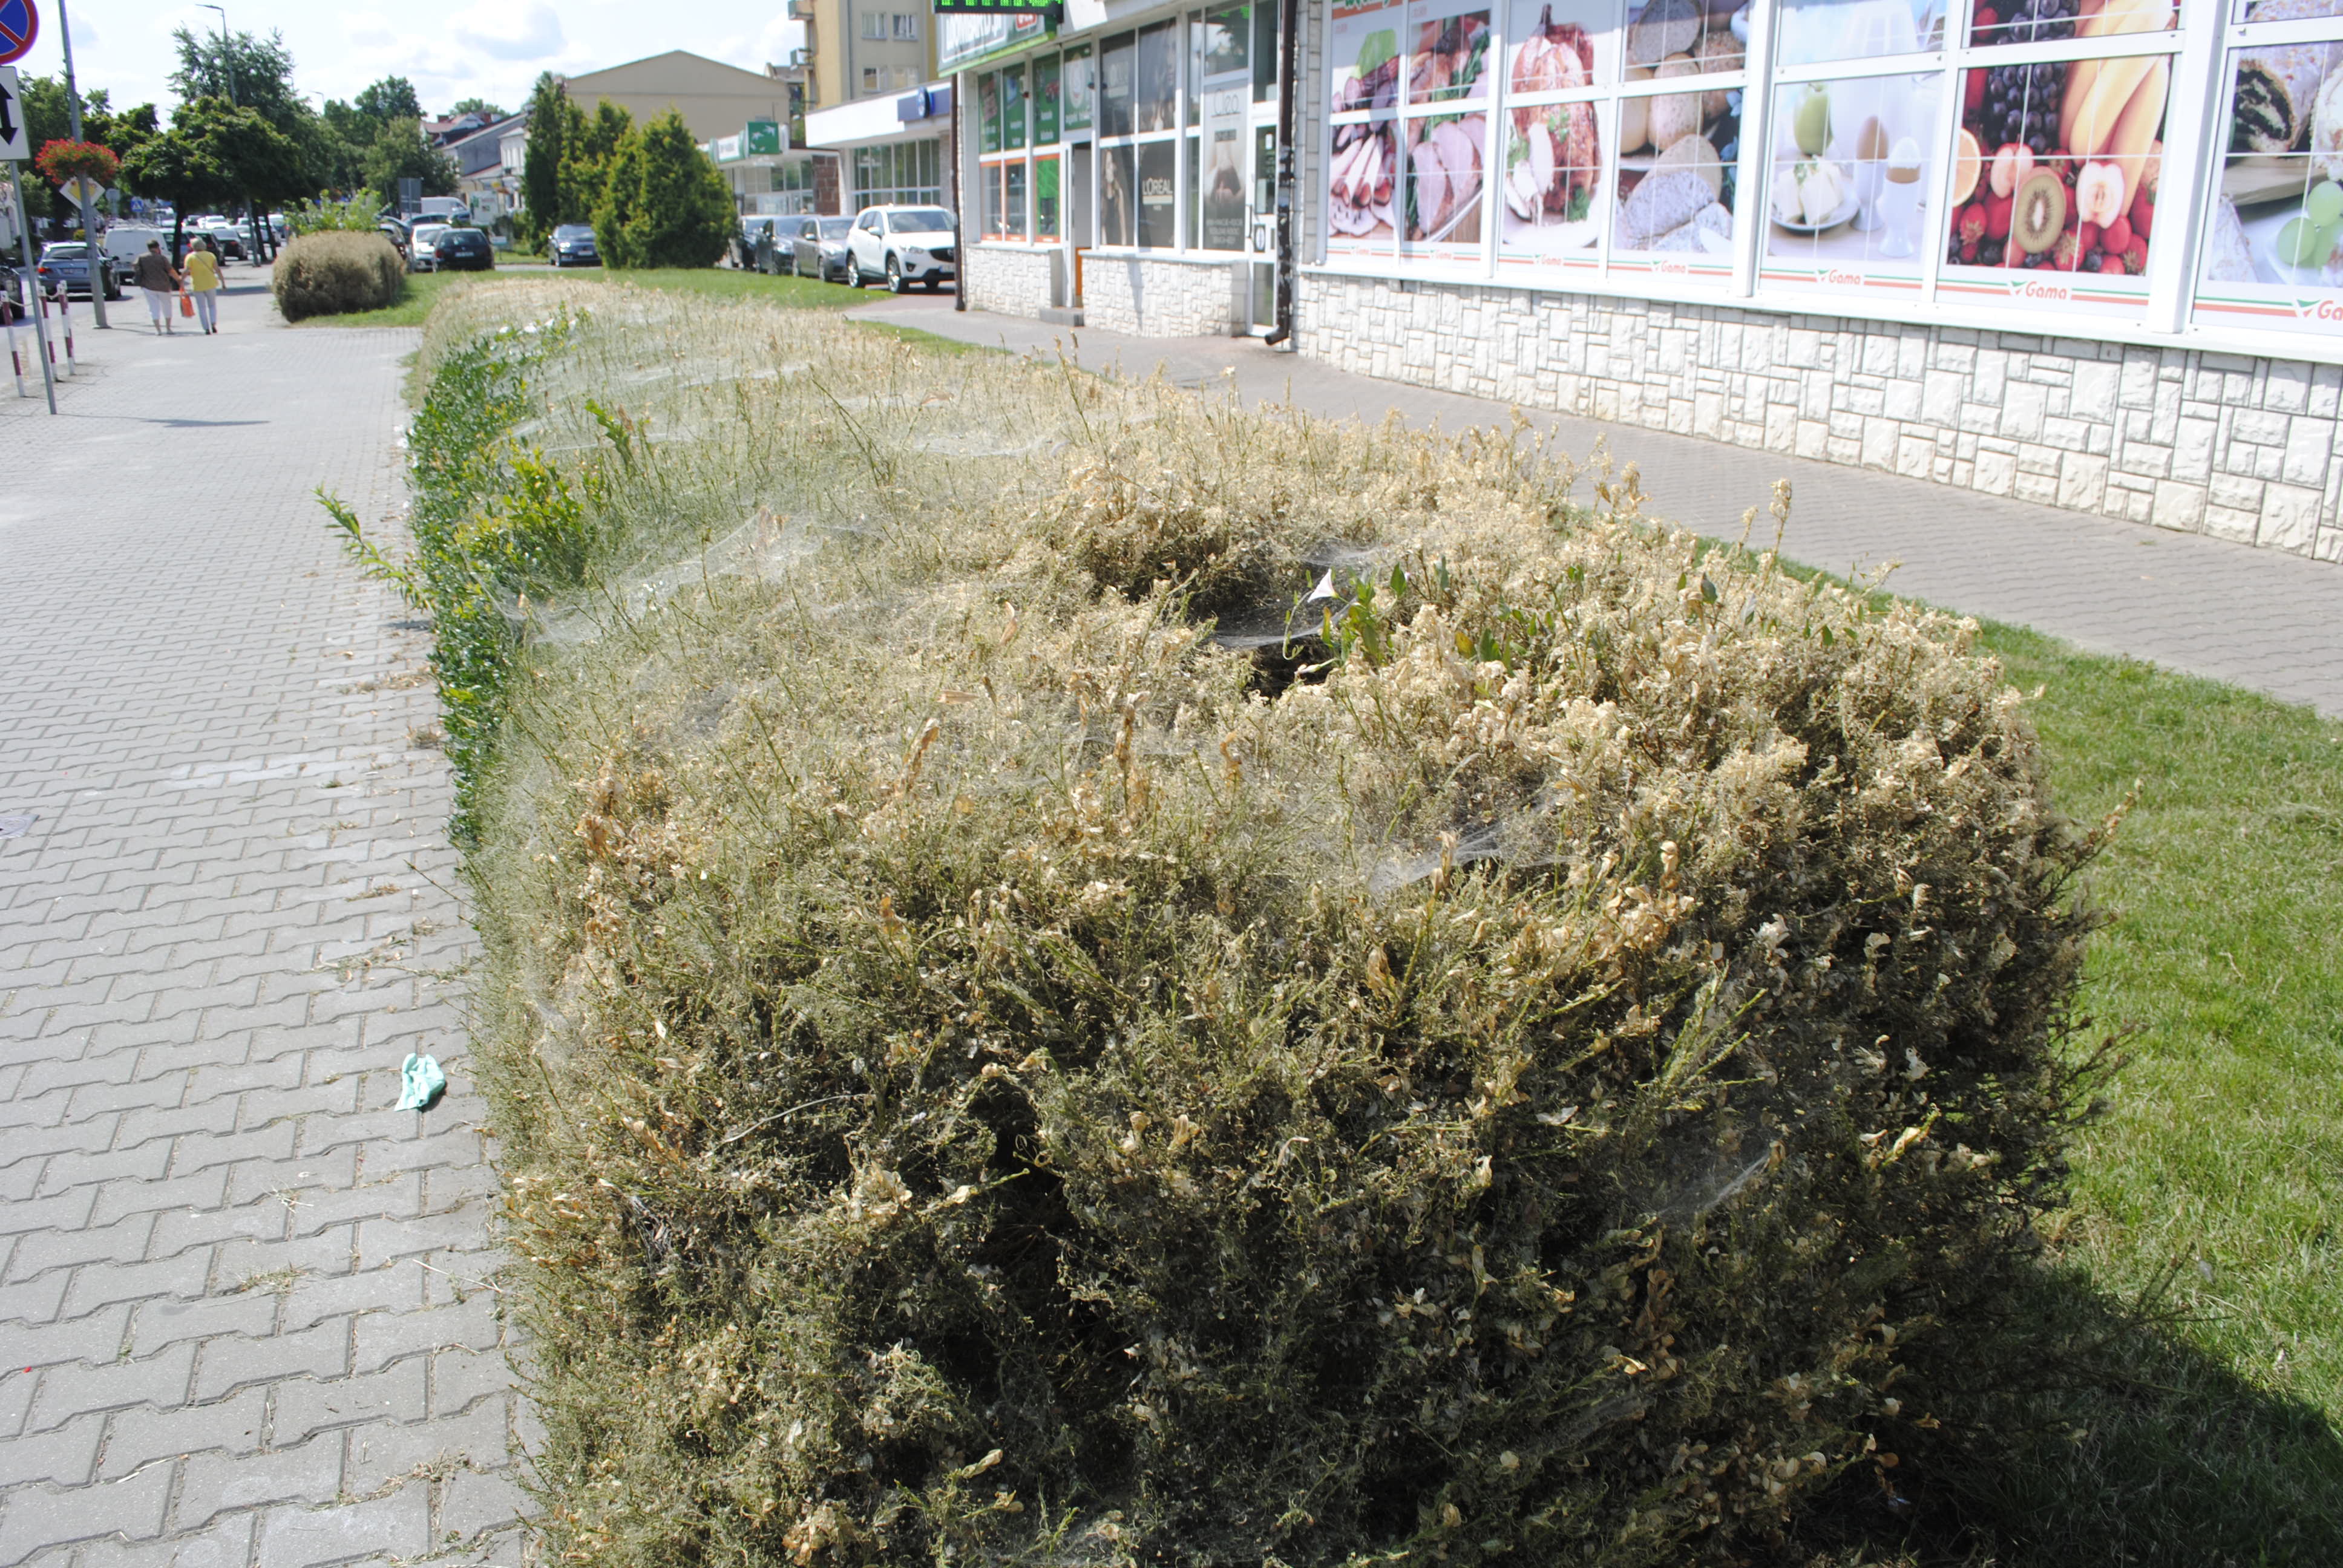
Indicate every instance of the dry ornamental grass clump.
{"type": "Point", "coordinates": [1540, 1064]}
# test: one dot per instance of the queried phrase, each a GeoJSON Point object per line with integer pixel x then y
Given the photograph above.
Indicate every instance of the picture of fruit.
{"type": "Point", "coordinates": [2324, 205]}
{"type": "Point", "coordinates": [2012, 164]}
{"type": "Point", "coordinates": [2099, 192]}
{"type": "Point", "coordinates": [2302, 243]}
{"type": "Point", "coordinates": [2038, 211]}
{"type": "Point", "coordinates": [1968, 163]}
{"type": "Point", "coordinates": [1811, 127]}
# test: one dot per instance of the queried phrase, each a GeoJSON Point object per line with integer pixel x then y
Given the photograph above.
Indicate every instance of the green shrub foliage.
{"type": "Point", "coordinates": [335, 273]}
{"type": "Point", "coordinates": [662, 201]}
{"type": "Point", "coordinates": [1533, 1056]}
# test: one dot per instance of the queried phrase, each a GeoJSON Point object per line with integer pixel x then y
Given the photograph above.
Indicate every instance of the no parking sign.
{"type": "Point", "coordinates": [20, 24]}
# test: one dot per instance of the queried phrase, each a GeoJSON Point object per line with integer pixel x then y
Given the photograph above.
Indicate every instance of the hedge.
{"type": "Point", "coordinates": [1079, 975]}
{"type": "Point", "coordinates": [333, 274]}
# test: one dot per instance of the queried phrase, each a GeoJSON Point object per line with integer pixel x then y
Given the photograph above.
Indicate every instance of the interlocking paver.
{"type": "Point", "coordinates": [194, 1124]}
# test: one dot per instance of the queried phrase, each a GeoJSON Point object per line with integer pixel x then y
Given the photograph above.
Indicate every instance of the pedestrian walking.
{"type": "Point", "coordinates": [157, 275]}
{"type": "Point", "coordinates": [204, 283]}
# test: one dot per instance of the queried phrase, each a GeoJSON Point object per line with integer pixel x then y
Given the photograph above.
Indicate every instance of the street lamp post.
{"type": "Point", "coordinates": [88, 222]}
{"type": "Point", "coordinates": [227, 66]}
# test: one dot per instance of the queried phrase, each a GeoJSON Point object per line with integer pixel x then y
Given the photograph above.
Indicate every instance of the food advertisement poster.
{"type": "Point", "coordinates": [2054, 170]}
{"type": "Point", "coordinates": [1850, 183]}
{"type": "Point", "coordinates": [1448, 58]}
{"type": "Point", "coordinates": [1446, 188]}
{"type": "Point", "coordinates": [2274, 256]}
{"type": "Point", "coordinates": [1365, 178]}
{"type": "Point", "coordinates": [1552, 174]}
{"type": "Point", "coordinates": [1364, 54]}
{"type": "Point", "coordinates": [1359, 196]}
{"type": "Point", "coordinates": [1560, 45]}
{"type": "Point", "coordinates": [1818, 32]}
{"type": "Point", "coordinates": [1679, 152]}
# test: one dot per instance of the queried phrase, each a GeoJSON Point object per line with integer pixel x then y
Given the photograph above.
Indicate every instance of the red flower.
{"type": "Point", "coordinates": [61, 160]}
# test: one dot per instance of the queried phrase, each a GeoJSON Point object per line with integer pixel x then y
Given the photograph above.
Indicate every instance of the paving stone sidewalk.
{"type": "Point", "coordinates": [2264, 620]}
{"type": "Point", "coordinates": [248, 1311]}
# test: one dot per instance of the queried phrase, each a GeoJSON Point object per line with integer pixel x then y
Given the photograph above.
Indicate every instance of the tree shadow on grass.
{"type": "Point", "coordinates": [2080, 1432]}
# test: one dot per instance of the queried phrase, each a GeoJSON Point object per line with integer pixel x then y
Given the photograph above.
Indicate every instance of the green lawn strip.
{"type": "Point", "coordinates": [2212, 1184]}
{"type": "Point", "coordinates": [415, 301]}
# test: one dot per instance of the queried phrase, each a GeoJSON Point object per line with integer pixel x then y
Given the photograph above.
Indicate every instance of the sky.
{"type": "Point", "coordinates": [450, 49]}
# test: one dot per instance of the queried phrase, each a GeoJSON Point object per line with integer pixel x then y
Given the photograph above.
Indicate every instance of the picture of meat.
{"type": "Point", "coordinates": [1450, 59]}
{"type": "Point", "coordinates": [1444, 169]}
{"type": "Point", "coordinates": [1365, 172]}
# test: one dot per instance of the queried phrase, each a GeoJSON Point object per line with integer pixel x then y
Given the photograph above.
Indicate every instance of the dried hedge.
{"type": "Point", "coordinates": [335, 273]}
{"type": "Point", "coordinates": [1542, 1063]}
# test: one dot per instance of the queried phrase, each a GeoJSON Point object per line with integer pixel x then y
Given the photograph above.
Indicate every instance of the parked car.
{"type": "Point", "coordinates": [742, 252]}
{"type": "Point", "coordinates": [463, 250]}
{"type": "Point", "coordinates": [901, 245]}
{"type": "Point", "coordinates": [420, 240]}
{"type": "Point", "coordinates": [572, 244]}
{"type": "Point", "coordinates": [229, 240]}
{"type": "Point", "coordinates": [816, 247]}
{"type": "Point", "coordinates": [65, 264]}
{"type": "Point", "coordinates": [395, 232]}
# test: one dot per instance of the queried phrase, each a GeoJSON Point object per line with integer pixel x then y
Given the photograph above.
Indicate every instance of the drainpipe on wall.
{"type": "Point", "coordinates": [959, 245]}
{"type": "Point", "coordinates": [1289, 67]}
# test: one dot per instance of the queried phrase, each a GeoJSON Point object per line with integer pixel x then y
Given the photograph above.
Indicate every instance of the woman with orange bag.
{"type": "Point", "coordinates": [204, 283]}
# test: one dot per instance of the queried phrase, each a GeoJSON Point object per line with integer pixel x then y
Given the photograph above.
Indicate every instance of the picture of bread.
{"type": "Point", "coordinates": [2228, 257]}
{"type": "Point", "coordinates": [2277, 89]}
{"type": "Point", "coordinates": [1661, 202]}
{"type": "Point", "coordinates": [1664, 27]}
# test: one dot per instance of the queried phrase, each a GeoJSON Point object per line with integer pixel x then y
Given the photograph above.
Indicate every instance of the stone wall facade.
{"type": "Point", "coordinates": [1160, 298]}
{"type": "Point", "coordinates": [2245, 449]}
{"type": "Point", "coordinates": [1006, 279]}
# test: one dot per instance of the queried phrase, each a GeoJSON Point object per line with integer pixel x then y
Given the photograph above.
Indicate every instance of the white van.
{"type": "Point", "coordinates": [125, 243]}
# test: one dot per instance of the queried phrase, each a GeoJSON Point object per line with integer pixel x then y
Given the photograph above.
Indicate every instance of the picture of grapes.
{"type": "Point", "coordinates": [2055, 164]}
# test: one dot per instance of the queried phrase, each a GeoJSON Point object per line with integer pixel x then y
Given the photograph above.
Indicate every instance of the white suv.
{"type": "Point", "coordinates": [903, 246]}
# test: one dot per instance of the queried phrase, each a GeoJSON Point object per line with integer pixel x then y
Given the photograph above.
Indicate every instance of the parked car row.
{"type": "Point", "coordinates": [896, 245]}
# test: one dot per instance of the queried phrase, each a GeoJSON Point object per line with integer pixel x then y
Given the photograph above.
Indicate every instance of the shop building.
{"type": "Point", "coordinates": [884, 150]}
{"type": "Point", "coordinates": [2088, 253]}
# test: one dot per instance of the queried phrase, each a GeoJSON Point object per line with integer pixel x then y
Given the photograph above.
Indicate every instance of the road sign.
{"type": "Point", "coordinates": [79, 190]}
{"type": "Point", "coordinates": [15, 144]}
{"type": "Point", "coordinates": [20, 24]}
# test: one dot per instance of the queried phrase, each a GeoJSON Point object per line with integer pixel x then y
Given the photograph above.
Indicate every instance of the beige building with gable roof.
{"type": "Point", "coordinates": [714, 98]}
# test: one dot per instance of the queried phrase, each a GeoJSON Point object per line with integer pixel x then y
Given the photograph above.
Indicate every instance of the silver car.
{"type": "Point", "coordinates": [816, 247]}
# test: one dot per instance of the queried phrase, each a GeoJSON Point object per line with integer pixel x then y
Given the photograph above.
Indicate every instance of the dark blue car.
{"type": "Point", "coordinates": [572, 244]}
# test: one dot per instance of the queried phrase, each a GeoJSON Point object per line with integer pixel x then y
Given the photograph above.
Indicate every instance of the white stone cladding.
{"type": "Point", "coordinates": [1007, 279]}
{"type": "Point", "coordinates": [1160, 298]}
{"type": "Point", "coordinates": [2240, 447]}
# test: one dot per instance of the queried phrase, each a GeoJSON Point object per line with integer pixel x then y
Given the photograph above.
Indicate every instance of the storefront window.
{"type": "Point", "coordinates": [1012, 199]}
{"type": "Point", "coordinates": [2272, 255]}
{"type": "Point", "coordinates": [1117, 62]}
{"type": "Point", "coordinates": [1046, 106]}
{"type": "Point", "coordinates": [905, 174]}
{"type": "Point", "coordinates": [1118, 195]}
{"type": "Point", "coordinates": [1220, 90]}
{"type": "Point", "coordinates": [1156, 95]}
{"type": "Point", "coordinates": [1012, 107]}
{"type": "Point", "coordinates": [988, 113]}
{"type": "Point", "coordinates": [1077, 89]}
{"type": "Point", "coordinates": [1852, 183]}
{"type": "Point", "coordinates": [1045, 198]}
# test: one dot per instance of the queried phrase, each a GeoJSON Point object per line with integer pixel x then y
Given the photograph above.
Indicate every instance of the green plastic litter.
{"type": "Point", "coordinates": [425, 1083]}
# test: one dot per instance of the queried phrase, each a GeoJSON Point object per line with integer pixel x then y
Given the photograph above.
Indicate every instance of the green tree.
{"type": "Point", "coordinates": [242, 70]}
{"type": "Point", "coordinates": [663, 202]}
{"type": "Point", "coordinates": [401, 152]}
{"type": "Point", "coordinates": [553, 121]}
{"type": "Point", "coordinates": [215, 152]}
{"type": "Point", "coordinates": [587, 153]}
{"type": "Point", "coordinates": [391, 99]}
{"type": "Point", "coordinates": [477, 107]}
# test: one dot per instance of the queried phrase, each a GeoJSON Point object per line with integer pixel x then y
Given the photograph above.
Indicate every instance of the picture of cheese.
{"type": "Point", "coordinates": [2277, 89]}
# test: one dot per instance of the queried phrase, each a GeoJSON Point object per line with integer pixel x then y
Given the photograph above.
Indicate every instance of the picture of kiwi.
{"type": "Point", "coordinates": [2037, 213]}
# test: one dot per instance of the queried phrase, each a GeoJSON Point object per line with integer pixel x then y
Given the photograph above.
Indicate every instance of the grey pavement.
{"type": "Point", "coordinates": [2268, 621]}
{"type": "Point", "coordinates": [248, 1312]}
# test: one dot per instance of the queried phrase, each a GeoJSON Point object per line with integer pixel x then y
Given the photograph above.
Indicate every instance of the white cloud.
{"type": "Point", "coordinates": [510, 29]}
{"type": "Point", "coordinates": [368, 30]}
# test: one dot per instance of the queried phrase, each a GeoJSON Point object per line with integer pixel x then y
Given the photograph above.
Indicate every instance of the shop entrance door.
{"type": "Point", "coordinates": [1261, 294]}
{"type": "Point", "coordinates": [1082, 228]}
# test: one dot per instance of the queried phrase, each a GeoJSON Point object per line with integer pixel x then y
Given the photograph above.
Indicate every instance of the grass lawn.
{"type": "Point", "coordinates": [2212, 1187]}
